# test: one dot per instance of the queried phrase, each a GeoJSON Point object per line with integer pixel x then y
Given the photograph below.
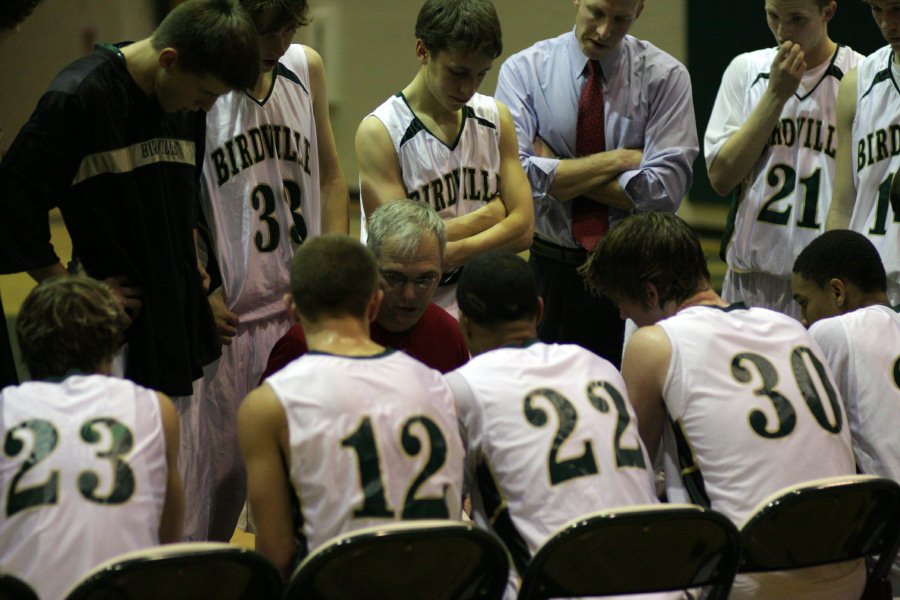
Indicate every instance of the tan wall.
{"type": "Point", "coordinates": [368, 46]}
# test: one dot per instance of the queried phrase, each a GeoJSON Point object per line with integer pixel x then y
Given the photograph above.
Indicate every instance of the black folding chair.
{"type": "Point", "coordinates": [831, 520]}
{"type": "Point", "coordinates": [13, 588]}
{"type": "Point", "coordinates": [639, 549]}
{"type": "Point", "coordinates": [405, 560]}
{"type": "Point", "coordinates": [182, 572]}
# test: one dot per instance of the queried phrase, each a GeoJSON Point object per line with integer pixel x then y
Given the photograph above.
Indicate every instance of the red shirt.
{"type": "Point", "coordinates": [435, 340]}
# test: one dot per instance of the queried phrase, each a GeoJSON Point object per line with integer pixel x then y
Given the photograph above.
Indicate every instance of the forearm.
{"type": "Point", "coordinates": [41, 273]}
{"type": "Point", "coordinates": [475, 222]}
{"type": "Point", "coordinates": [612, 195]}
{"type": "Point", "coordinates": [586, 175]}
{"type": "Point", "coordinates": [743, 149]}
{"type": "Point", "coordinates": [514, 233]}
{"type": "Point", "coordinates": [335, 206]}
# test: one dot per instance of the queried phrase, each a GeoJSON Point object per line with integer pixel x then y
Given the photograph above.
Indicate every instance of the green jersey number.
{"type": "Point", "coordinates": [564, 469]}
{"type": "Point", "coordinates": [375, 503]}
{"type": "Point", "coordinates": [897, 372]}
{"type": "Point", "coordinates": [263, 200]}
{"type": "Point", "coordinates": [786, 177]}
{"type": "Point", "coordinates": [879, 227]}
{"type": "Point", "coordinates": [786, 415]}
{"type": "Point", "coordinates": [44, 438]}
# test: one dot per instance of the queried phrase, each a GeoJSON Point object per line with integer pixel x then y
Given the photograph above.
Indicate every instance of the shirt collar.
{"type": "Point", "coordinates": [609, 63]}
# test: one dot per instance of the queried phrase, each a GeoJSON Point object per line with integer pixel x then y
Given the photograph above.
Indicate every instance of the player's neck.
{"type": "Point", "coordinates": [821, 54]}
{"type": "Point", "coordinates": [509, 335]}
{"type": "Point", "coordinates": [346, 336]}
{"type": "Point", "coordinates": [263, 85]}
{"type": "Point", "coordinates": [142, 61]}
{"type": "Point", "coordinates": [704, 297]}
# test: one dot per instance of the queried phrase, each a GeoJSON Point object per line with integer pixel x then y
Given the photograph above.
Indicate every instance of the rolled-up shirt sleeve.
{"type": "Point", "coordinates": [514, 90]}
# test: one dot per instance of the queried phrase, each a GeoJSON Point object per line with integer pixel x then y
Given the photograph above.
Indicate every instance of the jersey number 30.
{"type": "Point", "coordinates": [45, 438]}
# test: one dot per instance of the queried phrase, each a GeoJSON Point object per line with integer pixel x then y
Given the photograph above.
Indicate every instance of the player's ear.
{"type": "Point", "coordinates": [539, 313]}
{"type": "Point", "coordinates": [828, 11]}
{"type": "Point", "coordinates": [375, 304]}
{"type": "Point", "coordinates": [167, 58]}
{"type": "Point", "coordinates": [421, 52]}
{"type": "Point", "coordinates": [652, 295]}
{"type": "Point", "coordinates": [838, 292]}
{"type": "Point", "coordinates": [291, 308]}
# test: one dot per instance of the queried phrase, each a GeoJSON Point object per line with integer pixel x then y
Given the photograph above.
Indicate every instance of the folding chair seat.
{"type": "Point", "coordinates": [636, 549]}
{"type": "Point", "coordinates": [13, 588]}
{"type": "Point", "coordinates": [825, 521]}
{"type": "Point", "coordinates": [182, 572]}
{"type": "Point", "coordinates": [406, 560]}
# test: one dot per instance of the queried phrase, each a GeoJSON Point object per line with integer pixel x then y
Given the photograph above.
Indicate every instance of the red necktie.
{"type": "Point", "coordinates": [590, 220]}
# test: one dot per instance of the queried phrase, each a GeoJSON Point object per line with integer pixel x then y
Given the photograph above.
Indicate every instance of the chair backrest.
{"type": "Point", "coordinates": [13, 588]}
{"type": "Point", "coordinates": [824, 521]}
{"type": "Point", "coordinates": [182, 572]}
{"type": "Point", "coordinates": [647, 548]}
{"type": "Point", "coordinates": [434, 559]}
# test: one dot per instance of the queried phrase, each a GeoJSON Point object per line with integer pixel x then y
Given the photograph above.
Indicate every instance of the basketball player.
{"type": "Point", "coordinates": [408, 240]}
{"type": "Point", "coordinates": [869, 153]}
{"type": "Point", "coordinates": [840, 284]}
{"type": "Point", "coordinates": [744, 395]}
{"type": "Point", "coordinates": [89, 467]}
{"type": "Point", "coordinates": [771, 139]}
{"type": "Point", "coordinates": [114, 143]}
{"type": "Point", "coordinates": [356, 433]}
{"type": "Point", "coordinates": [509, 398]}
{"type": "Point", "coordinates": [440, 142]}
{"type": "Point", "coordinates": [271, 181]}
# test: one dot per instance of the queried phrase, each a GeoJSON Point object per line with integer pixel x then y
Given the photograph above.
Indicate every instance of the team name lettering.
{"type": "Point", "coordinates": [256, 145]}
{"type": "Point", "coordinates": [444, 191]}
{"type": "Point", "coordinates": [809, 133]}
{"type": "Point", "coordinates": [878, 145]}
{"type": "Point", "coordinates": [169, 149]}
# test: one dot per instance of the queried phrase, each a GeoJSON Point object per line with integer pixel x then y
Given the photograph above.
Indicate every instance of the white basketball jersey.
{"type": "Point", "coordinates": [550, 435]}
{"type": "Point", "coordinates": [784, 199]}
{"type": "Point", "coordinates": [260, 187]}
{"type": "Point", "coordinates": [83, 477]}
{"type": "Point", "coordinates": [753, 404]}
{"type": "Point", "coordinates": [863, 351]}
{"type": "Point", "coordinates": [372, 439]}
{"type": "Point", "coordinates": [454, 179]}
{"type": "Point", "coordinates": [876, 157]}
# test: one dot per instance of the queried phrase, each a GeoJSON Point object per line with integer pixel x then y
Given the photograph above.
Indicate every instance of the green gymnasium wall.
{"type": "Point", "coordinates": [719, 30]}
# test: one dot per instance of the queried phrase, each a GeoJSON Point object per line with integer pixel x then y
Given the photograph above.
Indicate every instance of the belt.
{"type": "Point", "coordinates": [451, 277]}
{"type": "Point", "coordinates": [569, 256]}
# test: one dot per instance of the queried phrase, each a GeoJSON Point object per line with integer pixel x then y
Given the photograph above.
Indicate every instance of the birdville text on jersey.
{"type": "Point", "coordinates": [474, 184]}
{"type": "Point", "coordinates": [258, 144]}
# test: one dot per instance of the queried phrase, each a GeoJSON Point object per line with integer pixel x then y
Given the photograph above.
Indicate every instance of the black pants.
{"type": "Point", "coordinates": [572, 314]}
{"type": "Point", "coordinates": [8, 374]}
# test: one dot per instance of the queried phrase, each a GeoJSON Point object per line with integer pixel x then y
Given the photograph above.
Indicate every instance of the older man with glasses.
{"type": "Point", "coordinates": [408, 239]}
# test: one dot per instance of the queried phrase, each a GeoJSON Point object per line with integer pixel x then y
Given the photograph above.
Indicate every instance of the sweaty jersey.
{"type": "Point", "coordinates": [783, 201]}
{"type": "Point", "coordinates": [261, 186]}
{"type": "Point", "coordinates": [876, 158]}
{"type": "Point", "coordinates": [550, 435]}
{"type": "Point", "coordinates": [83, 477]}
{"type": "Point", "coordinates": [371, 439]}
{"type": "Point", "coordinates": [753, 405]}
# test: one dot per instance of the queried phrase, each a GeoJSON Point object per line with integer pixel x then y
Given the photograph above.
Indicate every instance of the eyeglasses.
{"type": "Point", "coordinates": [398, 281]}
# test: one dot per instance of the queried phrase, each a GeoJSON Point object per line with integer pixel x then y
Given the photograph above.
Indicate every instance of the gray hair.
{"type": "Point", "coordinates": [405, 223]}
